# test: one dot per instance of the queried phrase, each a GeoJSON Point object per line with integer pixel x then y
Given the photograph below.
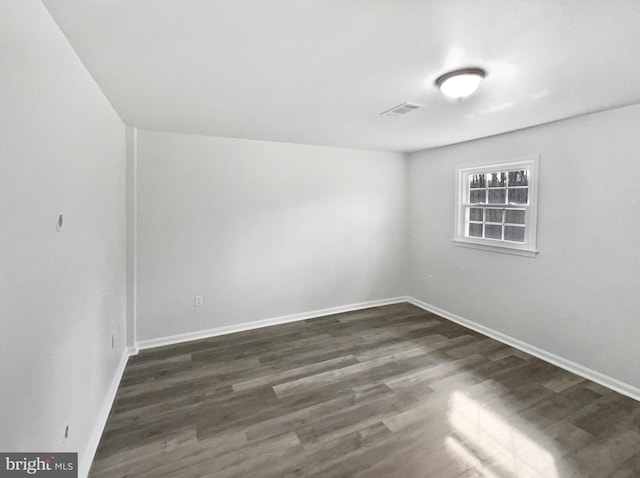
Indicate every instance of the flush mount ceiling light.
{"type": "Point", "coordinates": [459, 84]}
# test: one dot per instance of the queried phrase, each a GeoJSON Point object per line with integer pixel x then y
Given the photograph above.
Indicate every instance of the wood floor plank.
{"type": "Point", "coordinates": [389, 391]}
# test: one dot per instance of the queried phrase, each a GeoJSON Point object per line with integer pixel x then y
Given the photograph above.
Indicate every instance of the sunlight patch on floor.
{"type": "Point", "coordinates": [481, 438]}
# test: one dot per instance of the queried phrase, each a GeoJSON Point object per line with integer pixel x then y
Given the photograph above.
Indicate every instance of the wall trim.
{"type": "Point", "coordinates": [89, 452]}
{"type": "Point", "coordinates": [87, 457]}
{"type": "Point", "coordinates": [257, 324]}
{"type": "Point", "coordinates": [573, 367]}
{"type": "Point", "coordinates": [131, 139]}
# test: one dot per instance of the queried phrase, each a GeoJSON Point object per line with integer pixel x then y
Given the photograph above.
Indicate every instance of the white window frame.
{"type": "Point", "coordinates": [463, 174]}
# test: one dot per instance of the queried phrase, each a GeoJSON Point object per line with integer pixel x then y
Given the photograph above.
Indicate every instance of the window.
{"type": "Point", "coordinates": [496, 207]}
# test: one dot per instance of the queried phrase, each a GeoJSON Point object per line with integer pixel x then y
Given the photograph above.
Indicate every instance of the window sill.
{"type": "Point", "coordinates": [491, 248]}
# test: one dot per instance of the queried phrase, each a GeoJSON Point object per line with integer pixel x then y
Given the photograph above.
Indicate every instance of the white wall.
{"type": "Point", "coordinates": [579, 298]}
{"type": "Point", "coordinates": [262, 230]}
{"type": "Point", "coordinates": [61, 293]}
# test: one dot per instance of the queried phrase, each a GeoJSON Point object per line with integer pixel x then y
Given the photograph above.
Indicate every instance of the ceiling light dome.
{"type": "Point", "coordinates": [459, 84]}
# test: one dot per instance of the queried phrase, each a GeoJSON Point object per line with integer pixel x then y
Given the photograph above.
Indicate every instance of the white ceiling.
{"type": "Point", "coordinates": [321, 71]}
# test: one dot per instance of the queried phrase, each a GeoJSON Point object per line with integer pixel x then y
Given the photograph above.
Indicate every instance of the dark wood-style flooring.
{"type": "Point", "coordinates": [390, 391]}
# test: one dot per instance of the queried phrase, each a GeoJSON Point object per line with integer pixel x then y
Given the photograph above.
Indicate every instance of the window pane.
{"type": "Point", "coordinates": [497, 196]}
{"type": "Point", "coordinates": [477, 195]}
{"type": "Point", "coordinates": [494, 215]}
{"type": "Point", "coordinates": [519, 196]}
{"type": "Point", "coordinates": [475, 214]}
{"type": "Point", "coordinates": [514, 233]}
{"type": "Point", "coordinates": [497, 180]}
{"type": "Point", "coordinates": [514, 216]}
{"type": "Point", "coordinates": [519, 178]}
{"type": "Point", "coordinates": [475, 230]}
{"type": "Point", "coordinates": [478, 181]}
{"type": "Point", "coordinates": [493, 232]}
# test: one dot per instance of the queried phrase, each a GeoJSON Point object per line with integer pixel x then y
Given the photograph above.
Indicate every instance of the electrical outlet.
{"type": "Point", "coordinates": [430, 279]}
{"type": "Point", "coordinates": [197, 301]}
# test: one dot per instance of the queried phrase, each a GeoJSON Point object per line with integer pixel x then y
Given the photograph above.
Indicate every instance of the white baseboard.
{"type": "Point", "coordinates": [229, 329]}
{"type": "Point", "coordinates": [585, 372]}
{"type": "Point", "coordinates": [86, 458]}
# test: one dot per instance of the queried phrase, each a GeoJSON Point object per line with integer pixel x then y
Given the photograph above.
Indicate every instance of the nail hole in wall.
{"type": "Point", "coordinates": [59, 222]}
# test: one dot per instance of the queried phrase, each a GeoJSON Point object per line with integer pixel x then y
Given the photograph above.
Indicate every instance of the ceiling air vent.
{"type": "Point", "coordinates": [401, 109]}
